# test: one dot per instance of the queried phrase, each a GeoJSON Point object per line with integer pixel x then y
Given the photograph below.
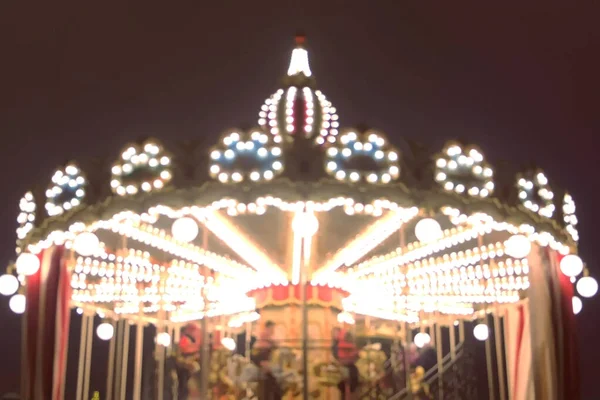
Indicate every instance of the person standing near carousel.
{"type": "Point", "coordinates": [347, 355]}
{"type": "Point", "coordinates": [261, 357]}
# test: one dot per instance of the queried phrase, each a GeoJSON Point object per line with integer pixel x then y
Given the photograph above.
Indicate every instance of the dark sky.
{"type": "Point", "coordinates": [521, 81]}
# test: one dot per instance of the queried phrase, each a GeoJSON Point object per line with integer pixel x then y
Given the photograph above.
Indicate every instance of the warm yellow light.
{"type": "Point", "coordinates": [27, 264]}
{"type": "Point", "coordinates": [517, 246]}
{"type": "Point", "coordinates": [428, 230]}
{"type": "Point", "coordinates": [305, 224]}
{"type": "Point", "coordinates": [571, 265]}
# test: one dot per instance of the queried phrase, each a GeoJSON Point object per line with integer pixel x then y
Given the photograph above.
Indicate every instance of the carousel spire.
{"type": "Point", "coordinates": [299, 61]}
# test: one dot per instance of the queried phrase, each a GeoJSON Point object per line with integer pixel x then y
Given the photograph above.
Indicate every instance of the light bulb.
{"type": "Point", "coordinates": [305, 224]}
{"type": "Point", "coordinates": [163, 339]}
{"type": "Point", "coordinates": [184, 229]}
{"type": "Point", "coordinates": [481, 332]}
{"type": "Point", "coordinates": [228, 343]}
{"type": "Point", "coordinates": [86, 243]}
{"type": "Point", "coordinates": [571, 265]}
{"type": "Point", "coordinates": [27, 264]}
{"type": "Point", "coordinates": [577, 305]}
{"type": "Point", "coordinates": [517, 246]}
{"type": "Point", "coordinates": [9, 284]}
{"type": "Point", "coordinates": [422, 339]}
{"type": "Point", "coordinates": [17, 303]}
{"type": "Point", "coordinates": [105, 331]}
{"type": "Point", "coordinates": [428, 230]}
{"type": "Point", "coordinates": [587, 286]}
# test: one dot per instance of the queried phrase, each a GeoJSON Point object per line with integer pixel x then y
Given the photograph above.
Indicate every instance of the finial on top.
{"type": "Point", "coordinates": [300, 39]}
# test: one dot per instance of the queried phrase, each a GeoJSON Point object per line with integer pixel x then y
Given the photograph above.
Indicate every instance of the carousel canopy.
{"type": "Point", "coordinates": [298, 199]}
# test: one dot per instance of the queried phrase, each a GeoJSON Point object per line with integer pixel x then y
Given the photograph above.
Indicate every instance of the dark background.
{"type": "Point", "coordinates": [81, 80]}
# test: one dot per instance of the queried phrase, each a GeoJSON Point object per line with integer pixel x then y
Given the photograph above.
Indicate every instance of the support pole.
{"type": "Point", "coordinates": [499, 354]}
{"type": "Point", "coordinates": [116, 389]}
{"type": "Point", "coordinates": [248, 338]}
{"type": "Point", "coordinates": [160, 358]}
{"type": "Point", "coordinates": [24, 366]}
{"type": "Point", "coordinates": [489, 367]}
{"type": "Point", "coordinates": [81, 363]}
{"type": "Point", "coordinates": [440, 358]}
{"type": "Point", "coordinates": [139, 355]}
{"type": "Point", "coordinates": [124, 360]}
{"type": "Point", "coordinates": [452, 332]}
{"type": "Point", "coordinates": [111, 364]}
{"type": "Point", "coordinates": [88, 357]}
{"type": "Point", "coordinates": [461, 331]}
{"type": "Point", "coordinates": [408, 338]}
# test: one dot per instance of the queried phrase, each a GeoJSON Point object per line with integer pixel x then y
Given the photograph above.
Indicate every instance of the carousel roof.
{"type": "Point", "coordinates": [193, 232]}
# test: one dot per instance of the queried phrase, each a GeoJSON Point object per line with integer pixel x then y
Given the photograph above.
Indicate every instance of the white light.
{"type": "Point", "coordinates": [571, 265]}
{"type": "Point", "coordinates": [9, 284]}
{"type": "Point", "coordinates": [27, 264]}
{"type": "Point", "coordinates": [517, 246]}
{"type": "Point", "coordinates": [577, 305]}
{"type": "Point", "coordinates": [17, 303]}
{"type": "Point", "coordinates": [228, 343]}
{"type": "Point", "coordinates": [86, 243]}
{"type": "Point", "coordinates": [299, 63]}
{"type": "Point", "coordinates": [163, 339]}
{"type": "Point", "coordinates": [481, 332]}
{"type": "Point", "coordinates": [422, 339]}
{"type": "Point", "coordinates": [428, 230]}
{"type": "Point", "coordinates": [185, 229]}
{"type": "Point", "coordinates": [587, 286]}
{"type": "Point", "coordinates": [105, 331]}
{"type": "Point", "coordinates": [305, 224]}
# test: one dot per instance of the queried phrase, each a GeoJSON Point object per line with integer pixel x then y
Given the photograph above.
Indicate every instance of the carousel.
{"type": "Point", "coordinates": [298, 259]}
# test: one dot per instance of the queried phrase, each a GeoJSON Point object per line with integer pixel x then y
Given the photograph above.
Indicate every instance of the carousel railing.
{"type": "Point", "coordinates": [454, 379]}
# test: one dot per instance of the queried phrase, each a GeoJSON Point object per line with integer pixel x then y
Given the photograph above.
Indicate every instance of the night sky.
{"type": "Point", "coordinates": [520, 81]}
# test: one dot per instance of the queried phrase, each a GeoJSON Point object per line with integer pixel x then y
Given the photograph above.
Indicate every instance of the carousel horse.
{"type": "Point", "coordinates": [419, 389]}
{"type": "Point", "coordinates": [371, 366]}
{"type": "Point", "coordinates": [220, 383]}
{"type": "Point", "coordinates": [182, 367]}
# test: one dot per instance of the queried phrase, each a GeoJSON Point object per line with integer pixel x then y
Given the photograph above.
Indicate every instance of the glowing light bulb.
{"type": "Point", "coordinates": [27, 264]}
{"type": "Point", "coordinates": [571, 265]}
{"type": "Point", "coordinates": [422, 339]}
{"type": "Point", "coordinates": [517, 246]}
{"type": "Point", "coordinates": [86, 243]}
{"type": "Point", "coordinates": [481, 332]}
{"type": "Point", "coordinates": [163, 339]}
{"type": "Point", "coordinates": [105, 331]}
{"type": "Point", "coordinates": [185, 229]}
{"type": "Point", "coordinates": [305, 224]}
{"type": "Point", "coordinates": [9, 284]}
{"type": "Point", "coordinates": [228, 343]}
{"type": "Point", "coordinates": [17, 303]}
{"type": "Point", "coordinates": [587, 287]}
{"type": "Point", "coordinates": [577, 305]}
{"type": "Point", "coordinates": [428, 230]}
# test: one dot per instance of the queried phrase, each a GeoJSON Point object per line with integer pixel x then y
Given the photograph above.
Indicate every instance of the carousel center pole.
{"type": "Point", "coordinates": [304, 286]}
